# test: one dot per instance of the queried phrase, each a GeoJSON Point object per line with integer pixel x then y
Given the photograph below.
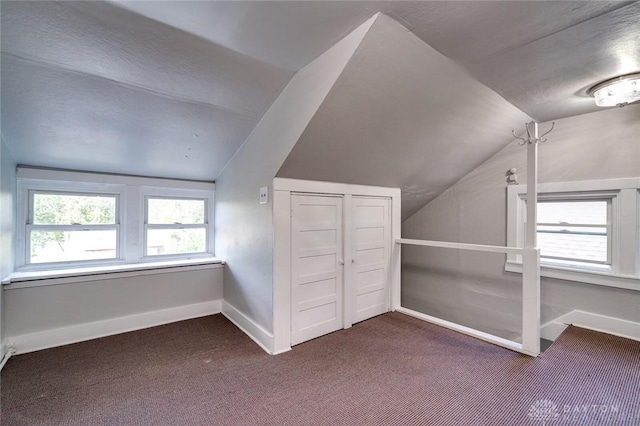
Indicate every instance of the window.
{"type": "Point", "coordinates": [575, 232]}
{"type": "Point", "coordinates": [175, 226]}
{"type": "Point", "coordinates": [75, 219]}
{"type": "Point", "coordinates": [68, 227]}
{"type": "Point", "coordinates": [587, 231]}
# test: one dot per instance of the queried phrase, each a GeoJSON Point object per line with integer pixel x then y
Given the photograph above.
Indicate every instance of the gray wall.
{"type": "Point", "coordinates": [38, 309]}
{"type": "Point", "coordinates": [7, 224]}
{"type": "Point", "coordinates": [402, 115]}
{"type": "Point", "coordinates": [244, 232]}
{"type": "Point", "coordinates": [472, 288]}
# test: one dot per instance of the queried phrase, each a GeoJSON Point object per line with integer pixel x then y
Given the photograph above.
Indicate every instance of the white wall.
{"type": "Point", "coordinates": [472, 288]}
{"type": "Point", "coordinates": [7, 224]}
{"type": "Point", "coordinates": [244, 234]}
{"type": "Point", "coordinates": [51, 315]}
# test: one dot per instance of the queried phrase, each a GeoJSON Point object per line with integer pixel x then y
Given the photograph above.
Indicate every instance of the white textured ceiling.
{"type": "Point", "coordinates": [288, 34]}
{"type": "Point", "coordinates": [126, 86]}
{"type": "Point", "coordinates": [90, 86]}
{"type": "Point", "coordinates": [539, 55]}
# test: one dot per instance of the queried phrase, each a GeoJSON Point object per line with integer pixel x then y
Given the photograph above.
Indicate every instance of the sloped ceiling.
{"type": "Point", "coordinates": [287, 34]}
{"type": "Point", "coordinates": [541, 56]}
{"type": "Point", "coordinates": [549, 77]}
{"type": "Point", "coordinates": [90, 86]}
{"type": "Point", "coordinates": [402, 115]}
{"type": "Point", "coordinates": [173, 88]}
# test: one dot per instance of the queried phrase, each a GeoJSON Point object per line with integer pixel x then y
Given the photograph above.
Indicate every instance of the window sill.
{"type": "Point", "coordinates": [629, 282]}
{"type": "Point", "coordinates": [65, 276]}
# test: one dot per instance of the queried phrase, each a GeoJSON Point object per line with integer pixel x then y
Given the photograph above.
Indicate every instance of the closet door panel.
{"type": "Point", "coordinates": [370, 257]}
{"type": "Point", "coordinates": [316, 266]}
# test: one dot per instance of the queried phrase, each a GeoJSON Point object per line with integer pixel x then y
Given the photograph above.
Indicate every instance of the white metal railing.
{"type": "Point", "coordinates": [530, 264]}
{"type": "Point", "coordinates": [461, 246]}
{"type": "Point", "coordinates": [530, 279]}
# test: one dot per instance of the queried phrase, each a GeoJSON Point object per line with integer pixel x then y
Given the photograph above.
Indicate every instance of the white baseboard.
{"type": "Point", "coordinates": [5, 353]}
{"type": "Point", "coordinates": [596, 322]}
{"type": "Point", "coordinates": [262, 337]}
{"type": "Point", "coordinates": [552, 329]}
{"type": "Point", "coordinates": [45, 339]}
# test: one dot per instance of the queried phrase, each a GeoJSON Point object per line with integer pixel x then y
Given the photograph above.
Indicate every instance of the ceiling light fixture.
{"type": "Point", "coordinates": [618, 91]}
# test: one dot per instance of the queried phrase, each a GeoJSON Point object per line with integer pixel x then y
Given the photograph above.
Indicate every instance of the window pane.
{"type": "Point", "coordinates": [574, 212]}
{"type": "Point", "coordinates": [67, 246]}
{"type": "Point", "coordinates": [168, 211]}
{"type": "Point", "coordinates": [588, 248]}
{"type": "Point", "coordinates": [563, 237]}
{"type": "Point", "coordinates": [67, 209]}
{"type": "Point", "coordinates": [176, 241]}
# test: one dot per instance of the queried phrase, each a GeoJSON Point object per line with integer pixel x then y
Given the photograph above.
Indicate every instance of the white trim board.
{"type": "Point", "coordinates": [321, 187]}
{"type": "Point", "coordinates": [513, 345]}
{"type": "Point", "coordinates": [47, 174]}
{"type": "Point", "coordinates": [628, 282]}
{"type": "Point", "coordinates": [604, 324]}
{"type": "Point", "coordinates": [104, 273]}
{"type": "Point", "coordinates": [262, 337]}
{"type": "Point", "coordinates": [5, 355]}
{"type": "Point", "coordinates": [46, 339]}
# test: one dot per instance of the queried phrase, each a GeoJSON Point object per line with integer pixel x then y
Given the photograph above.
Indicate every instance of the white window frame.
{"type": "Point", "coordinates": [612, 232]}
{"type": "Point", "coordinates": [131, 193]}
{"type": "Point", "coordinates": [30, 226]}
{"type": "Point", "coordinates": [173, 194]}
{"type": "Point", "coordinates": [624, 235]}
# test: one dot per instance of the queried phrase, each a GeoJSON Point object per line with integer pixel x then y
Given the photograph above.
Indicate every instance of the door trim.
{"type": "Point", "coordinates": [282, 189]}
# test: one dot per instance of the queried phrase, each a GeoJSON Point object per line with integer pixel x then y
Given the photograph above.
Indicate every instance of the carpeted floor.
{"type": "Point", "coordinates": [390, 370]}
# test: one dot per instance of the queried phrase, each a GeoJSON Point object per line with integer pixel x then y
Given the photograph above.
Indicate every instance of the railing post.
{"type": "Point", "coordinates": [396, 277]}
{"type": "Point", "coordinates": [531, 301]}
{"type": "Point", "coordinates": [531, 254]}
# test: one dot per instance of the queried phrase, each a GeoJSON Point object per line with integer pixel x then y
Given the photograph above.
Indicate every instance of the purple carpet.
{"type": "Point", "coordinates": [390, 370]}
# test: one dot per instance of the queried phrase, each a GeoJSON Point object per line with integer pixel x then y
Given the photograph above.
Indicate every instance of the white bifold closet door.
{"type": "Point", "coordinates": [316, 266]}
{"type": "Point", "coordinates": [370, 257]}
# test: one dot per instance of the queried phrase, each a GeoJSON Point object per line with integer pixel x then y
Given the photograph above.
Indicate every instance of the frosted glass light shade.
{"type": "Point", "coordinates": [619, 91]}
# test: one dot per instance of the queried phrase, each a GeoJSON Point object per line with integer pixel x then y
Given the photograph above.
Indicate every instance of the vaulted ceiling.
{"type": "Point", "coordinates": [172, 89]}
{"type": "Point", "coordinates": [541, 56]}
{"type": "Point", "coordinates": [392, 119]}
{"type": "Point", "coordinates": [90, 86]}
